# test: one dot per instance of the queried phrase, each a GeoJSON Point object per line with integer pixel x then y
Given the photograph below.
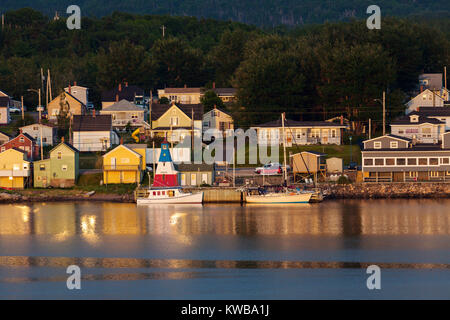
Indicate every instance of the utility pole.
{"type": "Point", "coordinates": [234, 166]}
{"type": "Point", "coordinates": [384, 113]}
{"type": "Point", "coordinates": [370, 128]}
{"type": "Point", "coordinates": [49, 84]}
{"type": "Point", "coordinates": [3, 21]}
{"type": "Point", "coordinates": [153, 155]}
{"type": "Point", "coordinates": [445, 77]}
{"type": "Point", "coordinates": [163, 27]}
{"type": "Point", "coordinates": [42, 147]}
{"type": "Point", "coordinates": [283, 118]}
{"type": "Point", "coordinates": [39, 108]}
{"type": "Point", "coordinates": [23, 114]}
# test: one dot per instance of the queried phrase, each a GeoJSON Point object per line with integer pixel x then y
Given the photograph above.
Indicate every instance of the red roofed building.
{"type": "Point", "coordinates": [25, 143]}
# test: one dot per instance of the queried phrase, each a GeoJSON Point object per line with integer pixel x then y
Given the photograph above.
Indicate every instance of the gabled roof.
{"type": "Point", "coordinates": [26, 135]}
{"type": "Point", "coordinates": [5, 134]}
{"type": "Point", "coordinates": [2, 94]}
{"type": "Point", "coordinates": [406, 120]}
{"type": "Point", "coordinates": [126, 92]}
{"type": "Point", "coordinates": [123, 105]}
{"type": "Point", "coordinates": [220, 110]}
{"type": "Point", "coordinates": [158, 110]}
{"type": "Point", "coordinates": [389, 136]}
{"type": "Point", "coordinates": [298, 124]}
{"type": "Point", "coordinates": [317, 154]}
{"type": "Point", "coordinates": [67, 145]}
{"type": "Point", "coordinates": [182, 90]}
{"type": "Point", "coordinates": [90, 123]}
{"type": "Point", "coordinates": [433, 111]}
{"type": "Point", "coordinates": [39, 124]}
{"type": "Point", "coordinates": [123, 146]}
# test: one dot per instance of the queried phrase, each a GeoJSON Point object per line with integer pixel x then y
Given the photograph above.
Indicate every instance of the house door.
{"type": "Point", "coordinates": [193, 179]}
{"type": "Point", "coordinates": [183, 179]}
{"type": "Point", "coordinates": [113, 163]}
{"type": "Point", "coordinates": [398, 177]}
{"type": "Point", "coordinates": [423, 176]}
{"type": "Point", "coordinates": [204, 178]}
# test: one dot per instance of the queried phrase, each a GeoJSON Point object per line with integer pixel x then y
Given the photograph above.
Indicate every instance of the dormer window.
{"type": "Point", "coordinates": [394, 144]}
{"type": "Point", "coordinates": [377, 145]}
{"type": "Point", "coordinates": [414, 118]}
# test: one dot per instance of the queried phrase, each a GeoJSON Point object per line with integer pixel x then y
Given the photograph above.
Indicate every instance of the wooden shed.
{"type": "Point", "coordinates": [308, 163]}
{"type": "Point", "coordinates": [335, 165]}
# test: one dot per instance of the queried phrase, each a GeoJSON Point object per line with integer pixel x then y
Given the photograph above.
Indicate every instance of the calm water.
{"type": "Point", "coordinates": [226, 251]}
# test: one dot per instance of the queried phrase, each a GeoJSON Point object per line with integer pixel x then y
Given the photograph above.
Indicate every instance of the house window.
{"type": "Point", "coordinates": [22, 140]}
{"type": "Point", "coordinates": [25, 166]}
{"type": "Point", "coordinates": [3, 149]}
{"type": "Point", "coordinates": [42, 167]}
{"type": "Point", "coordinates": [174, 121]}
{"type": "Point", "coordinates": [315, 133]}
{"type": "Point", "coordinates": [434, 174]}
{"type": "Point", "coordinates": [35, 128]}
{"type": "Point", "coordinates": [64, 167]}
{"type": "Point", "coordinates": [434, 161]}
{"type": "Point", "coordinates": [412, 161]}
{"type": "Point", "coordinates": [394, 144]}
{"type": "Point", "coordinates": [377, 145]}
{"type": "Point", "coordinates": [390, 161]}
{"type": "Point", "coordinates": [423, 161]}
{"type": "Point", "coordinates": [444, 160]}
{"type": "Point", "coordinates": [368, 162]}
{"type": "Point", "coordinates": [401, 132]}
{"type": "Point", "coordinates": [379, 162]}
{"type": "Point", "coordinates": [44, 139]}
{"type": "Point", "coordinates": [333, 133]}
{"type": "Point", "coordinates": [59, 156]}
{"type": "Point", "coordinates": [125, 160]}
{"type": "Point", "coordinates": [412, 174]}
{"type": "Point", "coordinates": [401, 161]}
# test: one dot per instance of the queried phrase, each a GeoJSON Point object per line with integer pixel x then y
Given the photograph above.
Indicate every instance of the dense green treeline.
{"type": "Point", "coordinates": [312, 72]}
{"type": "Point", "coordinates": [264, 13]}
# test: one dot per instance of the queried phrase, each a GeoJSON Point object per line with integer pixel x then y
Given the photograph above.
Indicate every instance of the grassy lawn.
{"type": "Point", "coordinates": [91, 182]}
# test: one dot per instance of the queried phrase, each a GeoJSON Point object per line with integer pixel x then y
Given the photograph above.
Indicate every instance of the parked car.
{"type": "Point", "coordinates": [274, 168]}
{"type": "Point", "coordinates": [14, 110]}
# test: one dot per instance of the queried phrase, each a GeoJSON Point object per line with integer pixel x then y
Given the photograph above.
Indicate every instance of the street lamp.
{"type": "Point", "coordinates": [351, 150]}
{"type": "Point", "coordinates": [39, 108]}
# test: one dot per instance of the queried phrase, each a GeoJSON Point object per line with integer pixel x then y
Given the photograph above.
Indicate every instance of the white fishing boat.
{"type": "Point", "coordinates": [168, 196]}
{"type": "Point", "coordinates": [278, 198]}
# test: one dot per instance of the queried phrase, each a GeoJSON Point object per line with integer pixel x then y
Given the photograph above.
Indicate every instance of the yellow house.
{"type": "Point", "coordinates": [174, 122]}
{"type": "Point", "coordinates": [68, 103]}
{"type": "Point", "coordinates": [124, 164]}
{"type": "Point", "coordinates": [14, 169]}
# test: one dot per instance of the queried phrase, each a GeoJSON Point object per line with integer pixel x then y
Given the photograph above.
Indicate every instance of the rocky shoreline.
{"type": "Point", "coordinates": [43, 197]}
{"type": "Point", "coordinates": [387, 191]}
{"type": "Point", "coordinates": [331, 192]}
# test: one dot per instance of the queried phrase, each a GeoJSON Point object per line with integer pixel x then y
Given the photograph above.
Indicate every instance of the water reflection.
{"type": "Point", "coordinates": [348, 218]}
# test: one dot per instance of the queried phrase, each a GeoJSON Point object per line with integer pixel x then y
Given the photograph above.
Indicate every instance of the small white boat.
{"type": "Point", "coordinates": [168, 195]}
{"type": "Point", "coordinates": [282, 197]}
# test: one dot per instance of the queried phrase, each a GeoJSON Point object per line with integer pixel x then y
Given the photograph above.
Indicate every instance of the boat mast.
{"type": "Point", "coordinates": [283, 117]}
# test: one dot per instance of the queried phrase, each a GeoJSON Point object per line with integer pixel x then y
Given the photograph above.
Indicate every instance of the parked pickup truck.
{"type": "Point", "coordinates": [271, 169]}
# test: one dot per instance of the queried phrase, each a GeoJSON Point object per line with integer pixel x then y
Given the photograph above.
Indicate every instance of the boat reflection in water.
{"type": "Point", "coordinates": [217, 244]}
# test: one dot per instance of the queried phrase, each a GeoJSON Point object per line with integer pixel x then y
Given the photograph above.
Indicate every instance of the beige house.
{"type": "Point", "coordinates": [193, 95]}
{"type": "Point", "coordinates": [299, 132]}
{"type": "Point", "coordinates": [66, 102]}
{"type": "Point", "coordinates": [48, 133]}
{"type": "Point", "coordinates": [175, 122]}
{"type": "Point", "coordinates": [217, 119]}
{"type": "Point", "coordinates": [124, 113]}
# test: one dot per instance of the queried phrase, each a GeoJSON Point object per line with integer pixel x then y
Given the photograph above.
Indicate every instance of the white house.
{"type": "Point", "coordinates": [418, 127]}
{"type": "Point", "coordinates": [5, 104]}
{"type": "Point", "coordinates": [48, 133]}
{"type": "Point", "coordinates": [79, 92]}
{"type": "Point", "coordinates": [93, 133]}
{"type": "Point", "coordinates": [427, 98]}
{"type": "Point", "coordinates": [124, 113]}
{"type": "Point", "coordinates": [299, 132]}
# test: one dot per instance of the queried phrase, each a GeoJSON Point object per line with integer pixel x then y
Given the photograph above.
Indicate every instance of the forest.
{"type": "Point", "coordinates": [311, 72]}
{"type": "Point", "coordinates": [263, 13]}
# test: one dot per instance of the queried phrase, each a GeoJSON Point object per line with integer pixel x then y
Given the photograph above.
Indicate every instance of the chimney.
{"type": "Point", "coordinates": [117, 97]}
{"type": "Point", "coordinates": [342, 120]}
{"type": "Point", "coordinates": [185, 85]}
{"type": "Point", "coordinates": [70, 89]}
{"type": "Point", "coordinates": [20, 131]}
{"type": "Point", "coordinates": [214, 85]}
{"type": "Point", "coordinates": [120, 87]}
{"type": "Point", "coordinates": [93, 113]}
{"type": "Point", "coordinates": [126, 84]}
{"type": "Point", "coordinates": [74, 83]}
{"type": "Point", "coordinates": [62, 139]}
{"type": "Point", "coordinates": [121, 140]}
{"type": "Point", "coordinates": [421, 88]}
